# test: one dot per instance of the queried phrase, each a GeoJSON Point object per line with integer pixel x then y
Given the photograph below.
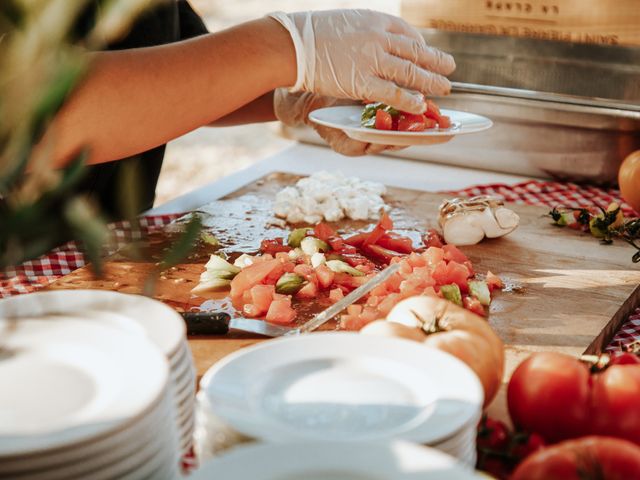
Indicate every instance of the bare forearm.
{"type": "Point", "coordinates": [137, 99]}
{"type": "Point", "coordinates": [256, 111]}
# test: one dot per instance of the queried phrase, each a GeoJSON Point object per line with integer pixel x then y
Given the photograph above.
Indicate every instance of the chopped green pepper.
{"type": "Point", "coordinates": [368, 118]}
{"type": "Point", "coordinates": [480, 290]}
{"type": "Point", "coordinates": [209, 239]}
{"type": "Point", "coordinates": [452, 293]}
{"type": "Point", "coordinates": [296, 236]}
{"type": "Point", "coordinates": [338, 266]}
{"type": "Point", "coordinates": [289, 283]}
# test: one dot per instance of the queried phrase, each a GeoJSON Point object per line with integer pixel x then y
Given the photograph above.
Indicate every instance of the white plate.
{"type": "Point", "coordinates": [78, 380]}
{"type": "Point", "coordinates": [343, 386]}
{"type": "Point", "coordinates": [181, 355]}
{"type": "Point", "coordinates": [110, 462]}
{"type": "Point", "coordinates": [333, 461]}
{"type": "Point", "coordinates": [462, 438]}
{"type": "Point", "coordinates": [347, 119]}
{"type": "Point", "coordinates": [161, 323]}
{"type": "Point", "coordinates": [120, 442]}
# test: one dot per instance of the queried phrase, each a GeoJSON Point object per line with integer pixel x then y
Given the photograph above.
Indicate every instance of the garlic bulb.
{"type": "Point", "coordinates": [466, 221]}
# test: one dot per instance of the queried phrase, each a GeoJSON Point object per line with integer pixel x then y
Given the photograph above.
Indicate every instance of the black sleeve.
{"type": "Point", "coordinates": [191, 25]}
{"type": "Point", "coordinates": [168, 22]}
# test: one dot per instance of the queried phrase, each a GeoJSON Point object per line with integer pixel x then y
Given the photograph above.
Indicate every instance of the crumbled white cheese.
{"type": "Point", "coordinates": [331, 197]}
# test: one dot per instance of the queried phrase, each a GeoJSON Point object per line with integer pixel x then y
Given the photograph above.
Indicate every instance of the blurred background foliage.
{"type": "Point", "coordinates": [44, 53]}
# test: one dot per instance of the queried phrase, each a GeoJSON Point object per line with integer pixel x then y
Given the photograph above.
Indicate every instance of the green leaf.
{"type": "Point", "coordinates": [89, 228]}
{"type": "Point", "coordinates": [10, 179]}
{"type": "Point", "coordinates": [368, 119]}
{"type": "Point", "coordinates": [52, 99]}
{"type": "Point", "coordinates": [11, 13]}
{"type": "Point", "coordinates": [183, 246]}
{"type": "Point", "coordinates": [71, 176]}
{"type": "Point", "coordinates": [176, 253]}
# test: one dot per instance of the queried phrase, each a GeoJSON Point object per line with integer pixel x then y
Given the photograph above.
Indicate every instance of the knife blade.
{"type": "Point", "coordinates": [219, 323]}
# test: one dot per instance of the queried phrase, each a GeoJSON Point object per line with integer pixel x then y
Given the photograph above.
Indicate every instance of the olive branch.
{"type": "Point", "coordinates": [44, 54]}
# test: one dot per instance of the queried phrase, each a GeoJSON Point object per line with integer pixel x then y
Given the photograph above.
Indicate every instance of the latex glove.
{"type": "Point", "coordinates": [366, 55]}
{"type": "Point", "coordinates": [293, 110]}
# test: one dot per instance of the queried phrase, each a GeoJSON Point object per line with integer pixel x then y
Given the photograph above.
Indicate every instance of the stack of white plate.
{"type": "Point", "coordinates": [83, 400]}
{"type": "Point", "coordinates": [345, 387]}
{"type": "Point", "coordinates": [334, 461]}
{"type": "Point", "coordinates": [137, 315]}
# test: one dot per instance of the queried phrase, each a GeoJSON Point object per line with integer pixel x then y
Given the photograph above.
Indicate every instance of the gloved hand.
{"type": "Point", "coordinates": [365, 55]}
{"type": "Point", "coordinates": [293, 110]}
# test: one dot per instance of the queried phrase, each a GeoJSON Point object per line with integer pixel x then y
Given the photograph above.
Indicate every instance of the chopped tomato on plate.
{"type": "Point", "coordinates": [408, 122]}
{"type": "Point", "coordinates": [384, 120]}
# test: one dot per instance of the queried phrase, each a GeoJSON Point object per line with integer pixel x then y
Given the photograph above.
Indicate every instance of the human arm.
{"type": "Point", "coordinates": [259, 110]}
{"type": "Point", "coordinates": [137, 99]}
{"type": "Point", "coordinates": [134, 100]}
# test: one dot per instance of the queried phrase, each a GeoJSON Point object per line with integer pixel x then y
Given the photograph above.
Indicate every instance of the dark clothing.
{"type": "Point", "coordinates": [167, 23]}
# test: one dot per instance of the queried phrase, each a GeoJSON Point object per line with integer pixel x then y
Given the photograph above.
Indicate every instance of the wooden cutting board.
{"type": "Point", "coordinates": [565, 291]}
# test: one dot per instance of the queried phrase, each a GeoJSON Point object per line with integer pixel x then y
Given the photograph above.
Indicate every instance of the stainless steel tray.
{"type": "Point", "coordinates": [589, 71]}
{"type": "Point", "coordinates": [556, 98]}
{"type": "Point", "coordinates": [561, 140]}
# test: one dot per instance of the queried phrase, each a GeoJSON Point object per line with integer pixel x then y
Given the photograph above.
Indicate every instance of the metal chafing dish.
{"type": "Point", "coordinates": [540, 137]}
{"type": "Point", "coordinates": [560, 110]}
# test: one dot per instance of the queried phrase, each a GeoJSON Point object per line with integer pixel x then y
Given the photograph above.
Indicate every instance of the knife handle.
{"type": "Point", "coordinates": [206, 323]}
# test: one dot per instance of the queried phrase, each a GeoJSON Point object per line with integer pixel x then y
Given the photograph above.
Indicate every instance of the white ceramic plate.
{"type": "Point", "coordinates": [77, 380]}
{"type": "Point", "coordinates": [333, 461]}
{"type": "Point", "coordinates": [120, 441]}
{"type": "Point", "coordinates": [161, 323]}
{"type": "Point", "coordinates": [120, 459]}
{"type": "Point", "coordinates": [347, 119]}
{"type": "Point", "coordinates": [343, 386]}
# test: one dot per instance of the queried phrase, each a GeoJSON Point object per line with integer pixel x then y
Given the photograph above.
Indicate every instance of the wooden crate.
{"type": "Point", "coordinates": [608, 22]}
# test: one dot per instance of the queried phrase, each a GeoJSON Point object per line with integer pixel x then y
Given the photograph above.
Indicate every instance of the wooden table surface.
{"type": "Point", "coordinates": [565, 291]}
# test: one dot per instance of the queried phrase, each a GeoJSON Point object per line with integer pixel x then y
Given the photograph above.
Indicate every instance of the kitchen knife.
{"type": "Point", "coordinates": [219, 323]}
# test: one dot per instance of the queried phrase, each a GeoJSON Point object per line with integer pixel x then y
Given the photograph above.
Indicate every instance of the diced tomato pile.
{"type": "Point", "coordinates": [408, 122]}
{"type": "Point", "coordinates": [423, 271]}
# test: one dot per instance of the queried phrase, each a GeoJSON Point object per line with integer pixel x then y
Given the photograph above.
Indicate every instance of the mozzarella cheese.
{"type": "Point", "coordinates": [330, 197]}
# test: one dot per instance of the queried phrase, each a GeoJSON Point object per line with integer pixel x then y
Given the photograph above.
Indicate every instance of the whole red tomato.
{"type": "Point", "coordinates": [558, 397]}
{"type": "Point", "coordinates": [583, 458]}
{"type": "Point", "coordinates": [492, 435]}
{"type": "Point", "coordinates": [615, 400]}
{"type": "Point", "coordinates": [526, 446]}
{"type": "Point", "coordinates": [624, 358]}
{"type": "Point", "coordinates": [549, 394]}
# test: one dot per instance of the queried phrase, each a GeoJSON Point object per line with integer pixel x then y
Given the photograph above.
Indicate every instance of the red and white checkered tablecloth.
{"type": "Point", "coordinates": [550, 194]}
{"type": "Point", "coordinates": [35, 274]}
